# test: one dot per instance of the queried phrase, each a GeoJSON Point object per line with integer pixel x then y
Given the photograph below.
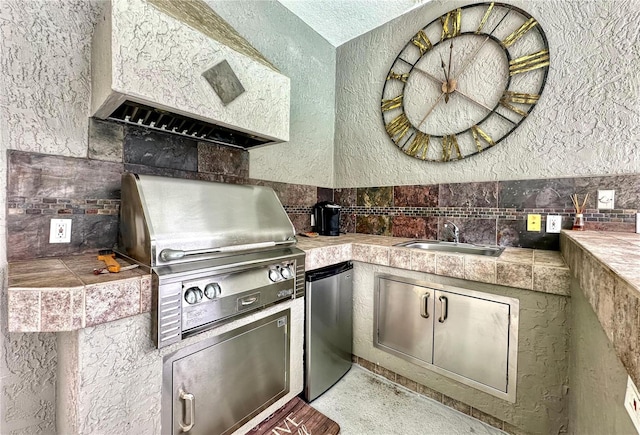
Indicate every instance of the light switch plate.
{"type": "Point", "coordinates": [632, 403]}
{"type": "Point", "coordinates": [534, 222]}
{"type": "Point", "coordinates": [60, 231]}
{"type": "Point", "coordinates": [605, 199]}
{"type": "Point", "coordinates": [554, 223]}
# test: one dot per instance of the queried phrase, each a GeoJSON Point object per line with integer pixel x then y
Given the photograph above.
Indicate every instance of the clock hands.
{"type": "Point", "coordinates": [473, 100]}
{"type": "Point", "coordinates": [449, 84]}
{"type": "Point", "coordinates": [431, 109]}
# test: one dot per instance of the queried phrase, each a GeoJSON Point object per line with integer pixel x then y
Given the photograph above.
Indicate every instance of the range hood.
{"type": "Point", "coordinates": [150, 68]}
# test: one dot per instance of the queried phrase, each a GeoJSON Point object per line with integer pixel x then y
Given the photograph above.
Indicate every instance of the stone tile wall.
{"type": "Point", "coordinates": [488, 212]}
{"type": "Point", "coordinates": [87, 191]}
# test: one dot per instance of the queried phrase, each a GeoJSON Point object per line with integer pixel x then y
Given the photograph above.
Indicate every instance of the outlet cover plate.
{"type": "Point", "coordinates": [632, 403]}
{"type": "Point", "coordinates": [534, 222]}
{"type": "Point", "coordinates": [554, 223]}
{"type": "Point", "coordinates": [605, 199]}
{"type": "Point", "coordinates": [60, 231]}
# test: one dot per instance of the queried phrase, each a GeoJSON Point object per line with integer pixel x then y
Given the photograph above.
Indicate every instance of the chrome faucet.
{"type": "Point", "coordinates": [454, 230]}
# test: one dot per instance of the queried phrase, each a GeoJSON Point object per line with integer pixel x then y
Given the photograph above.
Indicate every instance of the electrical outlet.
{"type": "Point", "coordinates": [632, 403]}
{"type": "Point", "coordinates": [60, 231]}
{"type": "Point", "coordinates": [605, 199]}
{"type": "Point", "coordinates": [554, 223]}
{"type": "Point", "coordinates": [534, 222]}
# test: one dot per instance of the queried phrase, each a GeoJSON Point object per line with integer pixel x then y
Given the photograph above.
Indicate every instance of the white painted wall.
{"type": "Point", "coordinates": [586, 123]}
{"type": "Point", "coordinates": [309, 61]}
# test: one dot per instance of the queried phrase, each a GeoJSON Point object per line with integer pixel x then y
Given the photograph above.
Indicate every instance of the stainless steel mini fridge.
{"type": "Point", "coordinates": [328, 327]}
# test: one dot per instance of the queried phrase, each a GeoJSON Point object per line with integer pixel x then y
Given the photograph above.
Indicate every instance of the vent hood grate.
{"type": "Point", "coordinates": [162, 120]}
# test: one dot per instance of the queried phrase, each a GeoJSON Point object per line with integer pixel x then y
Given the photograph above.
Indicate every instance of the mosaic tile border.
{"type": "Point", "coordinates": [50, 206]}
{"type": "Point", "coordinates": [594, 215]}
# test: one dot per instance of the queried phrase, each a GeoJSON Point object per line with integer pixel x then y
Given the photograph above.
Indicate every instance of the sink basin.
{"type": "Point", "coordinates": [459, 248]}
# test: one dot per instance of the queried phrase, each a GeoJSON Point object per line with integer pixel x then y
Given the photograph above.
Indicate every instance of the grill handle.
{"type": "Point", "coordinates": [177, 254]}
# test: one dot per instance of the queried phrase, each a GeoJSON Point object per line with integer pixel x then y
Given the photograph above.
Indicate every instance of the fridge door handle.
{"type": "Point", "coordinates": [424, 307]}
{"type": "Point", "coordinates": [444, 308]}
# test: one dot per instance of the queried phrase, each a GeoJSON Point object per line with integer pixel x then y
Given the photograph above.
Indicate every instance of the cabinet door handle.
{"type": "Point", "coordinates": [424, 308]}
{"type": "Point", "coordinates": [444, 308]}
{"type": "Point", "coordinates": [189, 411]}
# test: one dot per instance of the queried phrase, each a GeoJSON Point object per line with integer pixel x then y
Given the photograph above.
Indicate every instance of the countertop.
{"type": "Point", "coordinates": [63, 294]}
{"type": "Point", "coordinates": [607, 267]}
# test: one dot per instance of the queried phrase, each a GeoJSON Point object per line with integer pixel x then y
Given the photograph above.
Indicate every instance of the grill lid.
{"type": "Point", "coordinates": [171, 220]}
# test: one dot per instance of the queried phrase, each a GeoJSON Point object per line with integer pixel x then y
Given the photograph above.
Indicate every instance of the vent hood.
{"type": "Point", "coordinates": [150, 68]}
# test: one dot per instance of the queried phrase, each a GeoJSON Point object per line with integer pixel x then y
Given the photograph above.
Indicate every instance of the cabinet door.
{"type": "Point", "coordinates": [471, 338]}
{"type": "Point", "coordinates": [405, 319]}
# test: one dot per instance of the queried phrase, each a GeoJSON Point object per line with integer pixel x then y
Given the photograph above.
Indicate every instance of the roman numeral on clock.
{"type": "Point", "coordinates": [486, 16]}
{"type": "Point", "coordinates": [529, 62]}
{"type": "Point", "coordinates": [451, 24]}
{"type": "Point", "coordinates": [478, 134]}
{"type": "Point", "coordinates": [398, 127]}
{"type": "Point", "coordinates": [422, 42]}
{"type": "Point", "coordinates": [519, 32]}
{"type": "Point", "coordinates": [391, 104]}
{"type": "Point", "coordinates": [395, 76]}
{"type": "Point", "coordinates": [449, 144]}
{"type": "Point", "coordinates": [517, 97]}
{"type": "Point", "coordinates": [420, 143]}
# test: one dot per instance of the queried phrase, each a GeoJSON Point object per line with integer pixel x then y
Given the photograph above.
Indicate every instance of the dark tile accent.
{"type": "Point", "coordinates": [627, 189]}
{"type": "Point", "coordinates": [375, 196]}
{"type": "Point", "coordinates": [219, 159]}
{"type": "Point", "coordinates": [151, 148]}
{"type": "Point", "coordinates": [301, 222]}
{"type": "Point", "coordinates": [28, 235]}
{"type": "Point", "coordinates": [551, 193]}
{"type": "Point", "coordinates": [430, 392]}
{"type": "Point", "coordinates": [162, 172]}
{"type": "Point", "coordinates": [415, 196]}
{"type": "Point", "coordinates": [486, 418]}
{"type": "Point", "coordinates": [469, 195]}
{"type": "Point", "coordinates": [514, 233]}
{"type": "Point", "coordinates": [407, 383]}
{"type": "Point", "coordinates": [367, 364]}
{"type": "Point", "coordinates": [379, 370]}
{"type": "Point", "coordinates": [105, 140]}
{"type": "Point", "coordinates": [347, 223]}
{"type": "Point", "coordinates": [378, 225]}
{"type": "Point", "coordinates": [345, 197]}
{"type": "Point", "coordinates": [478, 231]}
{"type": "Point", "coordinates": [38, 175]}
{"type": "Point", "coordinates": [291, 194]}
{"type": "Point", "coordinates": [415, 227]}
{"type": "Point", "coordinates": [325, 194]}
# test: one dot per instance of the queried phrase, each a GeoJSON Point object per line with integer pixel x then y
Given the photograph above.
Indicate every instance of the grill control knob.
{"type": "Point", "coordinates": [286, 272]}
{"type": "Point", "coordinates": [193, 295]}
{"type": "Point", "coordinates": [212, 290]}
{"type": "Point", "coordinates": [274, 275]}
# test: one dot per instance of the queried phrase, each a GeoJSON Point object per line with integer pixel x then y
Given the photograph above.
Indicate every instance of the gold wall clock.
{"type": "Point", "coordinates": [465, 82]}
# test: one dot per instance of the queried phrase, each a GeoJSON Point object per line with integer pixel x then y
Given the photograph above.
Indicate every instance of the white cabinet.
{"type": "Point", "coordinates": [464, 334]}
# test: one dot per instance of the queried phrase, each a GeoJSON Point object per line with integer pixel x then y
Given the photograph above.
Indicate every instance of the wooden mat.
{"type": "Point", "coordinates": [297, 418]}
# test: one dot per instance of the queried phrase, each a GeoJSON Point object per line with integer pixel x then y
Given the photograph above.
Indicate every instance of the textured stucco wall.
{"type": "Point", "coordinates": [44, 99]}
{"type": "Point", "coordinates": [597, 377]}
{"type": "Point", "coordinates": [309, 61]}
{"type": "Point", "coordinates": [586, 122]}
{"type": "Point", "coordinates": [543, 340]}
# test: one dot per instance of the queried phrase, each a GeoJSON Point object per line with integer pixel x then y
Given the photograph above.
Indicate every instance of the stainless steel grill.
{"type": "Point", "coordinates": [216, 251]}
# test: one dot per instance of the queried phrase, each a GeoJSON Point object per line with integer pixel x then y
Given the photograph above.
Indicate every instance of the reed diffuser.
{"type": "Point", "coordinates": [578, 221]}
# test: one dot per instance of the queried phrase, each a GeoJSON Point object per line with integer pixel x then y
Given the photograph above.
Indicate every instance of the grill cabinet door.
{"type": "Point", "coordinates": [471, 338]}
{"type": "Point", "coordinates": [404, 314]}
{"type": "Point", "coordinates": [234, 379]}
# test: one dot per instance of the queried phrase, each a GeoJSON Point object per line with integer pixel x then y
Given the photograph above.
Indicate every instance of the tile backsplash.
{"type": "Point", "coordinates": [87, 191]}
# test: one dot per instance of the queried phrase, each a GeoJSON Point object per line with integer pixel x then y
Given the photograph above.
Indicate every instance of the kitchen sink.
{"type": "Point", "coordinates": [459, 248]}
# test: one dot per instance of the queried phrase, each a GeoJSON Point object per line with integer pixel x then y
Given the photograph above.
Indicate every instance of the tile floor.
{"type": "Point", "coordinates": [365, 403]}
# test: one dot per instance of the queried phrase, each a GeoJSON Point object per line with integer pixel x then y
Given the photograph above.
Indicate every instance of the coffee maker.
{"type": "Point", "coordinates": [326, 218]}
